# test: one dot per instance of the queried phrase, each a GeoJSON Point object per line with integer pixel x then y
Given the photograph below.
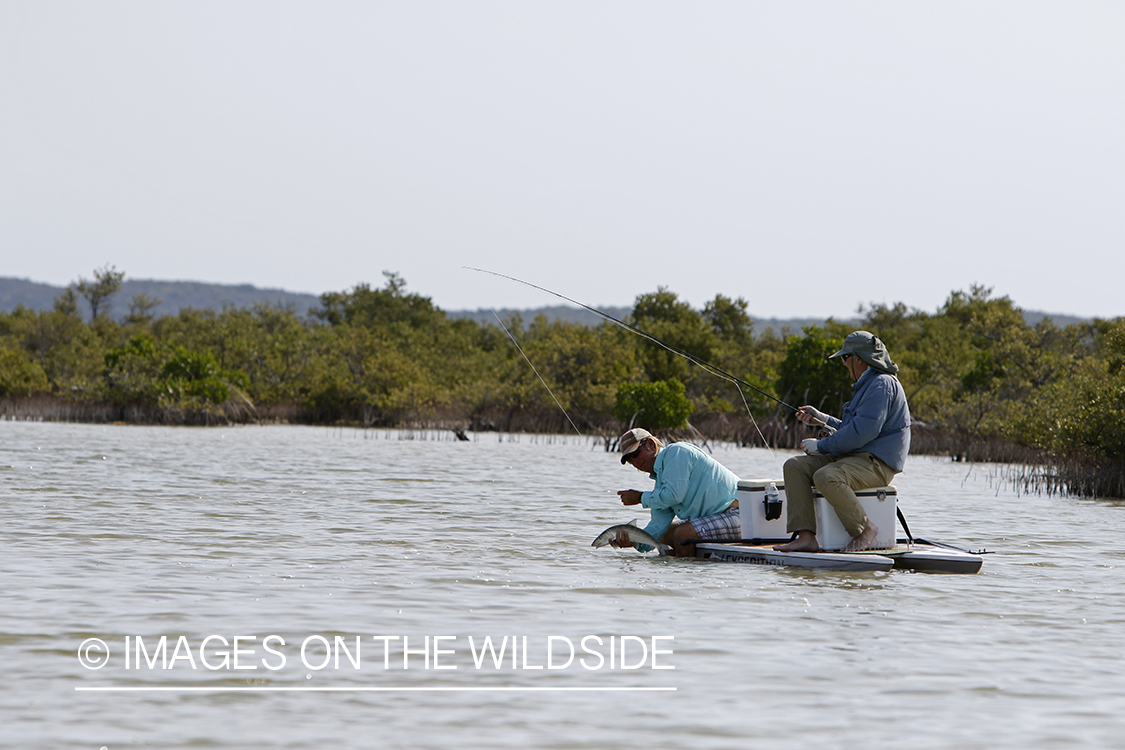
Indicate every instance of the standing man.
{"type": "Point", "coordinates": [689, 484]}
{"type": "Point", "coordinates": [868, 448]}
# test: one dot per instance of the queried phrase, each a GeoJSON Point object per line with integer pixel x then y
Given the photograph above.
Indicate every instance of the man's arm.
{"type": "Point", "coordinates": [865, 425]}
{"type": "Point", "coordinates": [659, 525]}
{"type": "Point", "coordinates": [671, 482]}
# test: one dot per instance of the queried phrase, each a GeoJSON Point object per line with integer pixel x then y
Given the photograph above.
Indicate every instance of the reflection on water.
{"type": "Point", "coordinates": [114, 532]}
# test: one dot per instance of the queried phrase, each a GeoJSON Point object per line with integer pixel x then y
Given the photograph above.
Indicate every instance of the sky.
{"type": "Point", "coordinates": [809, 157]}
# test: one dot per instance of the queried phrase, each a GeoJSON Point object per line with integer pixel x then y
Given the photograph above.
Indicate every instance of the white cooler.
{"type": "Point", "coordinates": [752, 510]}
{"type": "Point", "coordinates": [879, 505]}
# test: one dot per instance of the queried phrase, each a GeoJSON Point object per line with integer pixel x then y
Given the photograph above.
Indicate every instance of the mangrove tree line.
{"type": "Point", "coordinates": [976, 374]}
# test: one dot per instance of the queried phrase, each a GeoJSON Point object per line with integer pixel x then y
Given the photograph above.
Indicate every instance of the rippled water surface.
{"type": "Point", "coordinates": [110, 532]}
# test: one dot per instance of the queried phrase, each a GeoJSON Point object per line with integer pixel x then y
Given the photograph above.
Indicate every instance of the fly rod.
{"type": "Point", "coordinates": [644, 334]}
{"type": "Point", "coordinates": [536, 371]}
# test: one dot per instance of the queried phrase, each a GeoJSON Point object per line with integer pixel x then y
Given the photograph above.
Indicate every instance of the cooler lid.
{"type": "Point", "coordinates": [888, 491]}
{"type": "Point", "coordinates": [759, 484]}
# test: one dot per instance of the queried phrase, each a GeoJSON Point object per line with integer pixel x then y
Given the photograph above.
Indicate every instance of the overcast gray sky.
{"type": "Point", "coordinates": [808, 156]}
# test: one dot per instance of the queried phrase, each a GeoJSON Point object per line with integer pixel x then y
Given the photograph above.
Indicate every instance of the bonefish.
{"type": "Point", "coordinates": [634, 534]}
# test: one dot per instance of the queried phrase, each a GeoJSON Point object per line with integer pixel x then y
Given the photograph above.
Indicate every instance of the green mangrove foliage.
{"type": "Point", "coordinates": [20, 375]}
{"type": "Point", "coordinates": [387, 356]}
{"type": "Point", "coordinates": [145, 373]}
{"type": "Point", "coordinates": [659, 406]}
{"type": "Point", "coordinates": [807, 376]}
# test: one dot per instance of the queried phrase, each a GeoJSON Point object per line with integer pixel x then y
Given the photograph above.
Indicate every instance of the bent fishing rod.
{"type": "Point", "coordinates": [644, 334]}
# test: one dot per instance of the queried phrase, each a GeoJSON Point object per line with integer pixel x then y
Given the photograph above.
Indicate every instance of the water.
{"type": "Point", "coordinates": [111, 532]}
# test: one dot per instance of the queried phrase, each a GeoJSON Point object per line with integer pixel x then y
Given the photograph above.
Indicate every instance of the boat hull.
{"type": "Point", "coordinates": [921, 557]}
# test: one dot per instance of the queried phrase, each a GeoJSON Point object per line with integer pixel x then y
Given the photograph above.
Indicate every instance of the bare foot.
{"type": "Point", "coordinates": [805, 542]}
{"type": "Point", "coordinates": [863, 540]}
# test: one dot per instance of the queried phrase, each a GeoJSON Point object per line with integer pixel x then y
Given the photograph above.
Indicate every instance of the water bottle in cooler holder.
{"type": "Point", "coordinates": [772, 503]}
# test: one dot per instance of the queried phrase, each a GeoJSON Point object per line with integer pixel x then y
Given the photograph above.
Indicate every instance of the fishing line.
{"type": "Point", "coordinates": [541, 380]}
{"type": "Point", "coordinates": [738, 382]}
{"type": "Point", "coordinates": [707, 366]}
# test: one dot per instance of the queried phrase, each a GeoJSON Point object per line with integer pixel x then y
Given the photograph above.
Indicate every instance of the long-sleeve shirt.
{"type": "Point", "coordinates": [689, 485]}
{"type": "Point", "coordinates": [876, 421]}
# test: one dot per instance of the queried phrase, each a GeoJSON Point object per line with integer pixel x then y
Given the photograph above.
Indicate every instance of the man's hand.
{"type": "Point", "coordinates": [630, 497]}
{"type": "Point", "coordinates": [808, 445]}
{"type": "Point", "coordinates": [810, 415]}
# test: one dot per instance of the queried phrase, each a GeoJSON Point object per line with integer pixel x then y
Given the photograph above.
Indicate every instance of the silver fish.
{"type": "Point", "coordinates": [635, 535]}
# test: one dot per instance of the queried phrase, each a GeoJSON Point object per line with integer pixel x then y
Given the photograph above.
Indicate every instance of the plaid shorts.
{"type": "Point", "coordinates": [725, 525]}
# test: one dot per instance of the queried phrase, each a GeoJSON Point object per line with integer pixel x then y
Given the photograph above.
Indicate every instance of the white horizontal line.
{"type": "Point", "coordinates": [253, 689]}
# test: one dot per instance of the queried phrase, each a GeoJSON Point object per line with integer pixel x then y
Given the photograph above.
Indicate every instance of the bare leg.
{"type": "Point", "coordinates": [863, 540]}
{"type": "Point", "coordinates": [805, 542]}
{"type": "Point", "coordinates": [677, 534]}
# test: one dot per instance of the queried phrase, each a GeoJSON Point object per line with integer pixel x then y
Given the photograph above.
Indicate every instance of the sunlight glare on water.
{"type": "Point", "coordinates": [111, 532]}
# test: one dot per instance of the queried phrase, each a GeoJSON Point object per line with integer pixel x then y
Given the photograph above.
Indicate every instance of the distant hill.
{"type": "Point", "coordinates": [1062, 321]}
{"type": "Point", "coordinates": [559, 312]}
{"type": "Point", "coordinates": [30, 294]}
{"type": "Point", "coordinates": [177, 295]}
{"type": "Point", "coordinates": [585, 317]}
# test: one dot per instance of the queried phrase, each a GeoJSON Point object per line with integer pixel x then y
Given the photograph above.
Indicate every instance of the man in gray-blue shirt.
{"type": "Point", "coordinates": [868, 448]}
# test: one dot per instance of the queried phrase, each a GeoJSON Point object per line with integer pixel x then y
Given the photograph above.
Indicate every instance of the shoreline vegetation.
{"type": "Point", "coordinates": [983, 384]}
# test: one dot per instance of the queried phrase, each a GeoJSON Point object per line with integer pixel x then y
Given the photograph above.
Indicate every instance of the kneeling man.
{"type": "Point", "coordinates": [689, 484]}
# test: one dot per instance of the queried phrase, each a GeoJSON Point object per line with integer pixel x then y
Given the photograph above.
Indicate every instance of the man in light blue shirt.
{"type": "Point", "coordinates": [690, 485]}
{"type": "Point", "coordinates": [867, 449]}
